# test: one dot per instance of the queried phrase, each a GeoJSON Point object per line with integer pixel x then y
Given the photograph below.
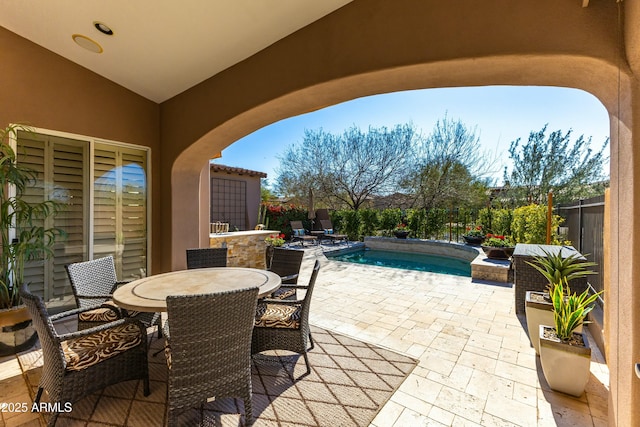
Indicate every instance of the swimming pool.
{"type": "Point", "coordinates": [407, 261]}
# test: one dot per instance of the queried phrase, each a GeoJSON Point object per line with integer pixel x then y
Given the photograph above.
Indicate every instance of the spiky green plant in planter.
{"type": "Point", "coordinates": [22, 234]}
{"type": "Point", "coordinates": [556, 268]}
{"type": "Point", "coordinates": [569, 311]}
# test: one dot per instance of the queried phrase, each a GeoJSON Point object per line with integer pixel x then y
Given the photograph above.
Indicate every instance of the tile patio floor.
{"type": "Point", "coordinates": [476, 366]}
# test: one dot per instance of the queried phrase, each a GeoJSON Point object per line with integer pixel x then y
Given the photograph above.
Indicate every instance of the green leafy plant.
{"type": "Point", "coordinates": [275, 240]}
{"type": "Point", "coordinates": [475, 231]}
{"type": "Point", "coordinates": [22, 233]}
{"type": "Point", "coordinates": [556, 268]}
{"type": "Point", "coordinates": [497, 241]}
{"type": "Point", "coordinates": [570, 310]}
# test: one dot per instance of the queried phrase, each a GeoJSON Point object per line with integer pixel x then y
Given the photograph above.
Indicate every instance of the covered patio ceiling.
{"type": "Point", "coordinates": [160, 49]}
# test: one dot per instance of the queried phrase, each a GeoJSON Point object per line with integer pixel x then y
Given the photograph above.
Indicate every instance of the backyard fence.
{"type": "Point", "coordinates": [584, 227]}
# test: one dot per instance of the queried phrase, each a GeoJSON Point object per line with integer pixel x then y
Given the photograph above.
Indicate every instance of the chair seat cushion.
{"type": "Point", "coordinates": [80, 353]}
{"type": "Point", "coordinates": [100, 314]}
{"type": "Point", "coordinates": [278, 316]}
{"type": "Point", "coordinates": [284, 293]}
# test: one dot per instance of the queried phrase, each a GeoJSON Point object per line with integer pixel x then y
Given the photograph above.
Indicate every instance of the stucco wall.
{"type": "Point", "coordinates": [44, 90]}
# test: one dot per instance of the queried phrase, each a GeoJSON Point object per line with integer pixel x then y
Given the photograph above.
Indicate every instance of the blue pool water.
{"type": "Point", "coordinates": [407, 261]}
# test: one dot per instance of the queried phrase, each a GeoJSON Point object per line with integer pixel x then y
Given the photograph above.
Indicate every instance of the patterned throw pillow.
{"type": "Point", "coordinates": [298, 231]}
{"type": "Point", "coordinates": [328, 231]}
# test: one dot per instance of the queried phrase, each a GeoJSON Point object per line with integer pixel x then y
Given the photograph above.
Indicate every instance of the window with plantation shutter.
{"type": "Point", "coordinates": [61, 168]}
{"type": "Point", "coordinates": [111, 184]}
{"type": "Point", "coordinates": [120, 210]}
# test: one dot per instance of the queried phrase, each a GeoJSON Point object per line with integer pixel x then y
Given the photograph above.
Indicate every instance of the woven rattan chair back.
{"type": "Point", "coordinates": [206, 257]}
{"type": "Point", "coordinates": [286, 263]}
{"type": "Point", "coordinates": [98, 278]}
{"type": "Point", "coordinates": [209, 341]}
{"type": "Point", "coordinates": [298, 339]}
{"type": "Point", "coordinates": [92, 278]}
{"type": "Point", "coordinates": [64, 385]}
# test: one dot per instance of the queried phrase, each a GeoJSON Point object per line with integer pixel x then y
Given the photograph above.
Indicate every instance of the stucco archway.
{"type": "Point", "coordinates": [376, 47]}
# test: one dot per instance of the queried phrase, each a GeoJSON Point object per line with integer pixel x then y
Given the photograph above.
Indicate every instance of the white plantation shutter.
{"type": "Point", "coordinates": [120, 209]}
{"type": "Point", "coordinates": [60, 164]}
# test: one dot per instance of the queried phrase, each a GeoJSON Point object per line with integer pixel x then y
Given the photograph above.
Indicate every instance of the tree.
{"type": "Point", "coordinates": [571, 170]}
{"type": "Point", "coordinates": [346, 170]}
{"type": "Point", "coordinates": [448, 169]}
{"type": "Point", "coordinates": [266, 194]}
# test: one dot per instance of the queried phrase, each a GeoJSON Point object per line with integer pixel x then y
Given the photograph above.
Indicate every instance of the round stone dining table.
{"type": "Point", "coordinates": [149, 293]}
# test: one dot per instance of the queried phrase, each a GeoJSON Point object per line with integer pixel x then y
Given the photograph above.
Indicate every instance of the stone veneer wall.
{"type": "Point", "coordinates": [244, 248]}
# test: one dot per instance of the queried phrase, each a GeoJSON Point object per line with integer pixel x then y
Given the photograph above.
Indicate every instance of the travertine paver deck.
{"type": "Point", "coordinates": [476, 366]}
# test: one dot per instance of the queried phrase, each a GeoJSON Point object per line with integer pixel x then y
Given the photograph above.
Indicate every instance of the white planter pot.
{"type": "Point", "coordinates": [538, 312]}
{"type": "Point", "coordinates": [565, 367]}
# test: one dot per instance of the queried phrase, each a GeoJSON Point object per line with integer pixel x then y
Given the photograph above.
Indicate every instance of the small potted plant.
{"type": "Point", "coordinates": [474, 236]}
{"type": "Point", "coordinates": [497, 247]}
{"type": "Point", "coordinates": [565, 354]}
{"type": "Point", "coordinates": [555, 268]}
{"type": "Point", "coordinates": [401, 231]}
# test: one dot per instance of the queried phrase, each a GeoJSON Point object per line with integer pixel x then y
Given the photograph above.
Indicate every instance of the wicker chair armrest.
{"type": "Point", "coordinates": [102, 327]}
{"type": "Point", "coordinates": [288, 278]}
{"type": "Point", "coordinates": [118, 284]}
{"type": "Point", "coordinates": [73, 312]}
{"type": "Point", "coordinates": [294, 286]}
{"type": "Point", "coordinates": [280, 301]}
{"type": "Point", "coordinates": [95, 296]}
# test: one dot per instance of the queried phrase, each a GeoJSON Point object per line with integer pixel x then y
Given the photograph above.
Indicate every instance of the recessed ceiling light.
{"type": "Point", "coordinates": [87, 43]}
{"type": "Point", "coordinates": [103, 28]}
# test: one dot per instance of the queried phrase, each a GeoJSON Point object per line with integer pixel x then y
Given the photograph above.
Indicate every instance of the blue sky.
{"type": "Point", "coordinates": [500, 114]}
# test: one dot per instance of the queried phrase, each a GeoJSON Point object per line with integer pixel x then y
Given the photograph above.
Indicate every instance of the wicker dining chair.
{"type": "Point", "coordinates": [208, 349]}
{"type": "Point", "coordinates": [284, 324]}
{"type": "Point", "coordinates": [78, 364]}
{"type": "Point", "coordinates": [92, 283]}
{"type": "Point", "coordinates": [286, 264]}
{"type": "Point", "coordinates": [206, 257]}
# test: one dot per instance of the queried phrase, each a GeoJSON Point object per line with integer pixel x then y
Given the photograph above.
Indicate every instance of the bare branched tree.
{"type": "Point", "coordinates": [346, 170]}
{"type": "Point", "coordinates": [449, 166]}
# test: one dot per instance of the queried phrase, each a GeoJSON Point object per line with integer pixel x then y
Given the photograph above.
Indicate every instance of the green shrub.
{"type": "Point", "coordinates": [368, 221]}
{"type": "Point", "coordinates": [389, 219]}
{"type": "Point", "coordinates": [351, 225]}
{"type": "Point", "coordinates": [529, 225]}
{"type": "Point", "coordinates": [416, 219]}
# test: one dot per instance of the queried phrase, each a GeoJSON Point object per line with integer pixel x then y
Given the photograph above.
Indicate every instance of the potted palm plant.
{"type": "Point", "coordinates": [565, 354]}
{"type": "Point", "coordinates": [23, 237]}
{"type": "Point", "coordinates": [555, 268]}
